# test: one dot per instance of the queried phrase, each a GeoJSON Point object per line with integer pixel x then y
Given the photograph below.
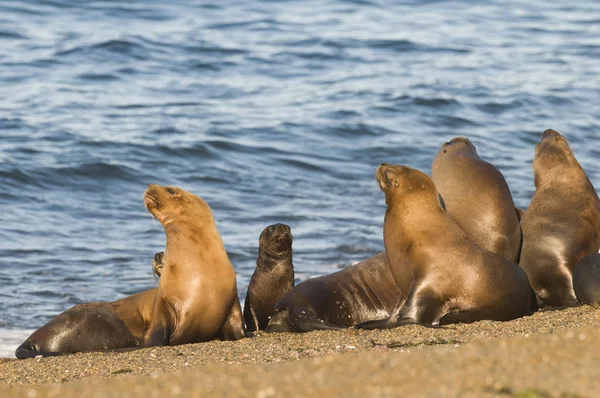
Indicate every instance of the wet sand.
{"type": "Point", "coordinates": [549, 354]}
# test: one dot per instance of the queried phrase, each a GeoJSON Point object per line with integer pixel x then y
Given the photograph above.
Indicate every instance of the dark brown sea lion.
{"type": "Point", "coordinates": [586, 280]}
{"type": "Point", "coordinates": [477, 198]}
{"type": "Point", "coordinates": [94, 327]}
{"type": "Point", "coordinates": [561, 225]}
{"type": "Point", "coordinates": [197, 296]}
{"type": "Point", "coordinates": [360, 293]}
{"type": "Point", "coordinates": [272, 278]}
{"type": "Point", "coordinates": [447, 276]}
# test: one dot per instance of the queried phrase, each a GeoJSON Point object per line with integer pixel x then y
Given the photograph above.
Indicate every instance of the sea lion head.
{"type": "Point", "coordinates": [458, 144]}
{"type": "Point", "coordinates": [551, 154]}
{"type": "Point", "coordinates": [398, 182]}
{"type": "Point", "coordinates": [553, 144]}
{"type": "Point", "coordinates": [171, 204]}
{"type": "Point", "coordinates": [276, 240]}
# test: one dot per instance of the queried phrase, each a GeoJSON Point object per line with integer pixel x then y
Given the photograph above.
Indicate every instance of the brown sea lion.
{"type": "Point", "coordinates": [561, 225]}
{"type": "Point", "coordinates": [197, 296]}
{"type": "Point", "coordinates": [96, 326]}
{"type": "Point", "coordinates": [586, 280]}
{"type": "Point", "coordinates": [272, 278]}
{"type": "Point", "coordinates": [477, 197]}
{"type": "Point", "coordinates": [360, 293]}
{"type": "Point", "coordinates": [447, 276]}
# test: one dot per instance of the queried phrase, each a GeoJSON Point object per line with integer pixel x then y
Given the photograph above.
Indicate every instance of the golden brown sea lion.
{"type": "Point", "coordinates": [477, 197]}
{"type": "Point", "coordinates": [447, 276]}
{"type": "Point", "coordinates": [94, 327]}
{"type": "Point", "coordinates": [197, 295]}
{"type": "Point", "coordinates": [272, 278]}
{"type": "Point", "coordinates": [561, 224]}
{"type": "Point", "coordinates": [364, 292]}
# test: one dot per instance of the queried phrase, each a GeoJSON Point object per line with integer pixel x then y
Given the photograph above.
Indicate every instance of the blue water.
{"type": "Point", "coordinates": [272, 111]}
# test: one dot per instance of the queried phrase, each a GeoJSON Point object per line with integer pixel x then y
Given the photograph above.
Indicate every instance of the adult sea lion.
{"type": "Point", "coordinates": [447, 276]}
{"type": "Point", "coordinates": [197, 295]}
{"type": "Point", "coordinates": [477, 197]}
{"type": "Point", "coordinates": [360, 293]}
{"type": "Point", "coordinates": [272, 278]}
{"type": "Point", "coordinates": [560, 226]}
{"type": "Point", "coordinates": [586, 280]}
{"type": "Point", "coordinates": [94, 327]}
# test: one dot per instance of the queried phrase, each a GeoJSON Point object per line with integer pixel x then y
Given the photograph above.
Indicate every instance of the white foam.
{"type": "Point", "coordinates": [10, 339]}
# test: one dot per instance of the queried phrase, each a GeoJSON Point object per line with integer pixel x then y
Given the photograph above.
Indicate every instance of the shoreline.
{"type": "Point", "coordinates": [132, 372]}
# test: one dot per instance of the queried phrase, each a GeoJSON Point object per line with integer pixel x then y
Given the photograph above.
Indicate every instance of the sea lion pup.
{"type": "Point", "coordinates": [560, 227]}
{"type": "Point", "coordinates": [477, 197]}
{"type": "Point", "coordinates": [197, 295]}
{"type": "Point", "coordinates": [97, 326]}
{"type": "Point", "coordinates": [586, 280]}
{"type": "Point", "coordinates": [272, 278]}
{"type": "Point", "coordinates": [360, 293]}
{"type": "Point", "coordinates": [447, 276]}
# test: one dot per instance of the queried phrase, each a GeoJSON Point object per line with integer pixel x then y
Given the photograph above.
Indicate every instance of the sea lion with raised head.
{"type": "Point", "coordinates": [272, 278]}
{"type": "Point", "coordinates": [477, 197]}
{"type": "Point", "coordinates": [561, 224]}
{"type": "Point", "coordinates": [96, 326]}
{"type": "Point", "coordinates": [197, 295]}
{"type": "Point", "coordinates": [357, 294]}
{"type": "Point", "coordinates": [586, 280]}
{"type": "Point", "coordinates": [448, 277]}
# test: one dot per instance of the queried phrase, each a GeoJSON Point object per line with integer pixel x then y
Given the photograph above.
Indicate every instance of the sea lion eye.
{"type": "Point", "coordinates": [171, 191]}
{"type": "Point", "coordinates": [270, 229]}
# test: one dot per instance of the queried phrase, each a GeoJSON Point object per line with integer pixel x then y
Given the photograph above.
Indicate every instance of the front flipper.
{"type": "Point", "coordinates": [233, 328]}
{"type": "Point", "coordinates": [423, 307]}
{"type": "Point", "coordinates": [160, 328]}
{"type": "Point", "coordinates": [157, 263]}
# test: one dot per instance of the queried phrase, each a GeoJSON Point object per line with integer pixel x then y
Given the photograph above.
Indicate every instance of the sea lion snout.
{"type": "Point", "coordinates": [151, 195]}
{"type": "Point", "coordinates": [381, 176]}
{"type": "Point", "coordinates": [552, 134]}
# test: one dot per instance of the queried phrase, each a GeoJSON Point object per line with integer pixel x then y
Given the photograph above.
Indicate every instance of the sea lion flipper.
{"type": "Point", "coordinates": [160, 329]}
{"type": "Point", "coordinates": [157, 263]}
{"type": "Point", "coordinates": [233, 328]}
{"type": "Point", "coordinates": [423, 307]}
{"type": "Point", "coordinates": [250, 318]}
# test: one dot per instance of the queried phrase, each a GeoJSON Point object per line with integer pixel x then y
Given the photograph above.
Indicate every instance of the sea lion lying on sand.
{"type": "Point", "coordinates": [360, 293]}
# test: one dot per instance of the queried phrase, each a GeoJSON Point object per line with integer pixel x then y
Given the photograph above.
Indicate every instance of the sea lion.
{"type": "Point", "coordinates": [586, 280]}
{"type": "Point", "coordinates": [477, 197]}
{"type": "Point", "coordinates": [360, 293]}
{"type": "Point", "coordinates": [448, 277]}
{"type": "Point", "coordinates": [561, 225]}
{"type": "Point", "coordinates": [272, 278]}
{"type": "Point", "coordinates": [96, 326]}
{"type": "Point", "coordinates": [197, 296]}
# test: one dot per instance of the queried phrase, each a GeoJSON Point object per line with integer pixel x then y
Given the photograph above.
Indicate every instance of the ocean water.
{"type": "Point", "coordinates": [272, 111]}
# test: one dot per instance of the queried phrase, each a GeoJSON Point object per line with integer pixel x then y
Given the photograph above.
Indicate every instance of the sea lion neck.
{"type": "Point", "coordinates": [271, 260]}
{"type": "Point", "coordinates": [549, 170]}
{"type": "Point", "coordinates": [191, 237]}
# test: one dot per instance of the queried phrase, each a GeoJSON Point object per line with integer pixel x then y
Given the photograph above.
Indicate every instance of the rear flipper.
{"type": "Point", "coordinates": [286, 320]}
{"type": "Point", "coordinates": [27, 350]}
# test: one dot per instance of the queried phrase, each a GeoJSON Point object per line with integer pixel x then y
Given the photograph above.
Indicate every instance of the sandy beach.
{"type": "Point", "coordinates": [549, 354]}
